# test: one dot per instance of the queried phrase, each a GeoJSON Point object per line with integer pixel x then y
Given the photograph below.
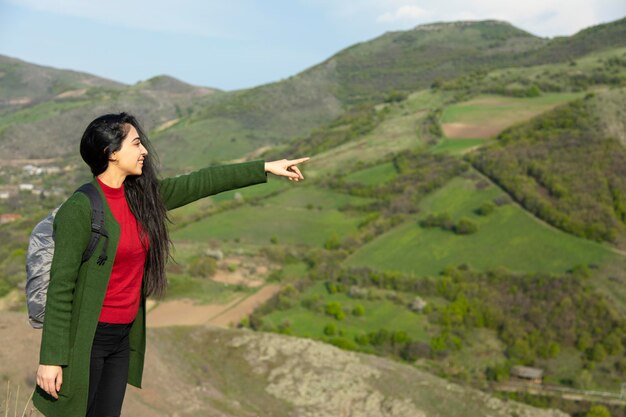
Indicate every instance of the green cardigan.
{"type": "Point", "coordinates": [76, 290]}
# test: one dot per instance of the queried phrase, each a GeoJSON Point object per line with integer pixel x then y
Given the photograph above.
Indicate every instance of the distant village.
{"type": "Point", "coordinates": [27, 179]}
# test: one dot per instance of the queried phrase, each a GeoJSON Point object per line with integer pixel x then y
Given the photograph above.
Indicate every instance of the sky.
{"type": "Point", "coordinates": [236, 44]}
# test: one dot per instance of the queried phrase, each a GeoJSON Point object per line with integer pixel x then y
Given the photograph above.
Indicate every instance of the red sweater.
{"type": "Point", "coordinates": [121, 301]}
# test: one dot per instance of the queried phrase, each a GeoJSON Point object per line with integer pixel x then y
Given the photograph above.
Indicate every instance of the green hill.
{"type": "Point", "coordinates": [592, 39]}
{"type": "Point", "coordinates": [229, 125]}
{"type": "Point", "coordinates": [23, 84]}
{"type": "Point", "coordinates": [565, 168]}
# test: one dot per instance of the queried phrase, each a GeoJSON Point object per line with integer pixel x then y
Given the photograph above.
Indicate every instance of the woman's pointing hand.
{"type": "Point", "coordinates": [286, 168]}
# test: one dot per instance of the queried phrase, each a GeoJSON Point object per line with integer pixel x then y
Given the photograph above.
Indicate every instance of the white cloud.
{"type": "Point", "coordinates": [403, 13]}
{"type": "Point", "coordinates": [541, 17]}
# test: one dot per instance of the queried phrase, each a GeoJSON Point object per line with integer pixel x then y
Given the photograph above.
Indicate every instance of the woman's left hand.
{"type": "Point", "coordinates": [286, 168]}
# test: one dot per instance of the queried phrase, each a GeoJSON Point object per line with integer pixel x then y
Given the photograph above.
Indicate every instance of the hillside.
{"type": "Point", "coordinates": [200, 371]}
{"type": "Point", "coordinates": [540, 163]}
{"type": "Point", "coordinates": [24, 84]}
{"type": "Point", "coordinates": [370, 72]}
{"type": "Point", "coordinates": [51, 128]}
{"type": "Point", "coordinates": [592, 39]}
{"type": "Point", "coordinates": [228, 125]}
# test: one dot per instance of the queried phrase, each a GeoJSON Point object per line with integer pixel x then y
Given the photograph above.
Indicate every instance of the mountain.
{"type": "Point", "coordinates": [171, 85]}
{"type": "Point", "coordinates": [369, 71]}
{"type": "Point", "coordinates": [24, 84]}
{"type": "Point", "coordinates": [47, 108]}
{"type": "Point", "coordinates": [363, 73]}
{"type": "Point", "coordinates": [228, 125]}
{"type": "Point", "coordinates": [592, 39]}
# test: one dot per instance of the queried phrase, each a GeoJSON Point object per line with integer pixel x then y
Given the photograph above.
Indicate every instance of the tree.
{"type": "Point", "coordinates": [465, 227]}
{"type": "Point", "coordinates": [486, 209]}
{"type": "Point", "coordinates": [330, 329]}
{"type": "Point", "coordinates": [333, 308]}
{"type": "Point", "coordinates": [521, 352]}
{"type": "Point", "coordinates": [358, 310]}
{"type": "Point", "coordinates": [584, 380]}
{"type": "Point", "coordinates": [598, 353]}
{"type": "Point", "coordinates": [202, 266]}
{"type": "Point", "coordinates": [598, 411]}
{"type": "Point", "coordinates": [332, 242]}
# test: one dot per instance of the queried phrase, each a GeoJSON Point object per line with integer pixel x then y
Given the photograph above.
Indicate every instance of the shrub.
{"type": "Point", "coordinates": [465, 227]}
{"type": "Point", "coordinates": [202, 266]}
{"type": "Point", "coordinates": [332, 242]}
{"type": "Point", "coordinates": [330, 329]}
{"type": "Point", "coordinates": [485, 209]}
{"type": "Point", "coordinates": [415, 350]}
{"type": "Point", "coordinates": [598, 411]}
{"type": "Point", "coordinates": [333, 308]}
{"type": "Point", "coordinates": [358, 310]}
{"type": "Point", "coordinates": [395, 96]}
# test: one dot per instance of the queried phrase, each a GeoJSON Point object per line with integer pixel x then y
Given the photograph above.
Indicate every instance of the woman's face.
{"type": "Point", "coordinates": [129, 159]}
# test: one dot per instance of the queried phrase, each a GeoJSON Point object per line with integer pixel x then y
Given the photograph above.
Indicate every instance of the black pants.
{"type": "Point", "coordinates": [109, 370]}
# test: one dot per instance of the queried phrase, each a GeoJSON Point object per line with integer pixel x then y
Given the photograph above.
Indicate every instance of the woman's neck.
{"type": "Point", "coordinates": [112, 179]}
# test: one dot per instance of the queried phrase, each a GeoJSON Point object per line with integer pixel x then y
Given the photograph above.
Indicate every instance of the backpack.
{"type": "Point", "coordinates": [41, 250]}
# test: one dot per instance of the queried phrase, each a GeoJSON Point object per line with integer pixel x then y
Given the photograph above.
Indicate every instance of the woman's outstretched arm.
{"type": "Point", "coordinates": [184, 189]}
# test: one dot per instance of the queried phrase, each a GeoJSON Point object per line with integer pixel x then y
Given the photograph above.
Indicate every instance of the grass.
{"type": "Point", "coordinates": [456, 146]}
{"type": "Point", "coordinates": [8, 403]}
{"type": "Point", "coordinates": [38, 112]}
{"type": "Point", "coordinates": [509, 237]}
{"type": "Point", "coordinates": [305, 197]}
{"type": "Point", "coordinates": [197, 209]}
{"type": "Point", "coordinates": [257, 225]}
{"type": "Point", "coordinates": [487, 115]}
{"type": "Point", "coordinates": [203, 290]}
{"type": "Point", "coordinates": [564, 368]}
{"type": "Point", "coordinates": [273, 184]}
{"type": "Point", "coordinates": [481, 349]}
{"type": "Point", "coordinates": [399, 131]}
{"type": "Point", "coordinates": [499, 109]}
{"type": "Point", "coordinates": [376, 175]}
{"type": "Point", "coordinates": [379, 314]}
{"type": "Point", "coordinates": [212, 141]}
{"type": "Point", "coordinates": [284, 217]}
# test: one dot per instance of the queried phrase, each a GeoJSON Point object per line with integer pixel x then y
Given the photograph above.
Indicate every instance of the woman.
{"type": "Point", "coordinates": [94, 332]}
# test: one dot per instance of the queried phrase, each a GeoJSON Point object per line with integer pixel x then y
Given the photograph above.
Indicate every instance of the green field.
{"type": "Point", "coordinates": [379, 314]}
{"type": "Point", "coordinates": [213, 141]}
{"type": "Point", "coordinates": [487, 115]}
{"type": "Point", "coordinates": [509, 237]}
{"type": "Point", "coordinates": [488, 108]}
{"type": "Point", "coordinates": [399, 131]}
{"type": "Point", "coordinates": [456, 146]}
{"type": "Point", "coordinates": [302, 196]}
{"type": "Point", "coordinates": [378, 174]}
{"type": "Point", "coordinates": [203, 290]}
{"type": "Point", "coordinates": [298, 217]}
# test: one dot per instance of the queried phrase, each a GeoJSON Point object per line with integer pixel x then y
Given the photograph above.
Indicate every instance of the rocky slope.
{"type": "Point", "coordinates": [211, 371]}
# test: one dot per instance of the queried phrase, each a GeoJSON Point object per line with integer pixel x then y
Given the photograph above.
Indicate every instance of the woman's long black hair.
{"type": "Point", "coordinates": [104, 136]}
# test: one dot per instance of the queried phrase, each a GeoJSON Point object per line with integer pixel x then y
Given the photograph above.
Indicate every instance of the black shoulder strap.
{"type": "Point", "coordinates": [97, 223]}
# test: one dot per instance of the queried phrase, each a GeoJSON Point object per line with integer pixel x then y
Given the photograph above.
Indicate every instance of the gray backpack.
{"type": "Point", "coordinates": [41, 250]}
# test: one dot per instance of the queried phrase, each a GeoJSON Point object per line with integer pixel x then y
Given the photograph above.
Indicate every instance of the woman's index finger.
{"type": "Point", "coordinates": [297, 161]}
